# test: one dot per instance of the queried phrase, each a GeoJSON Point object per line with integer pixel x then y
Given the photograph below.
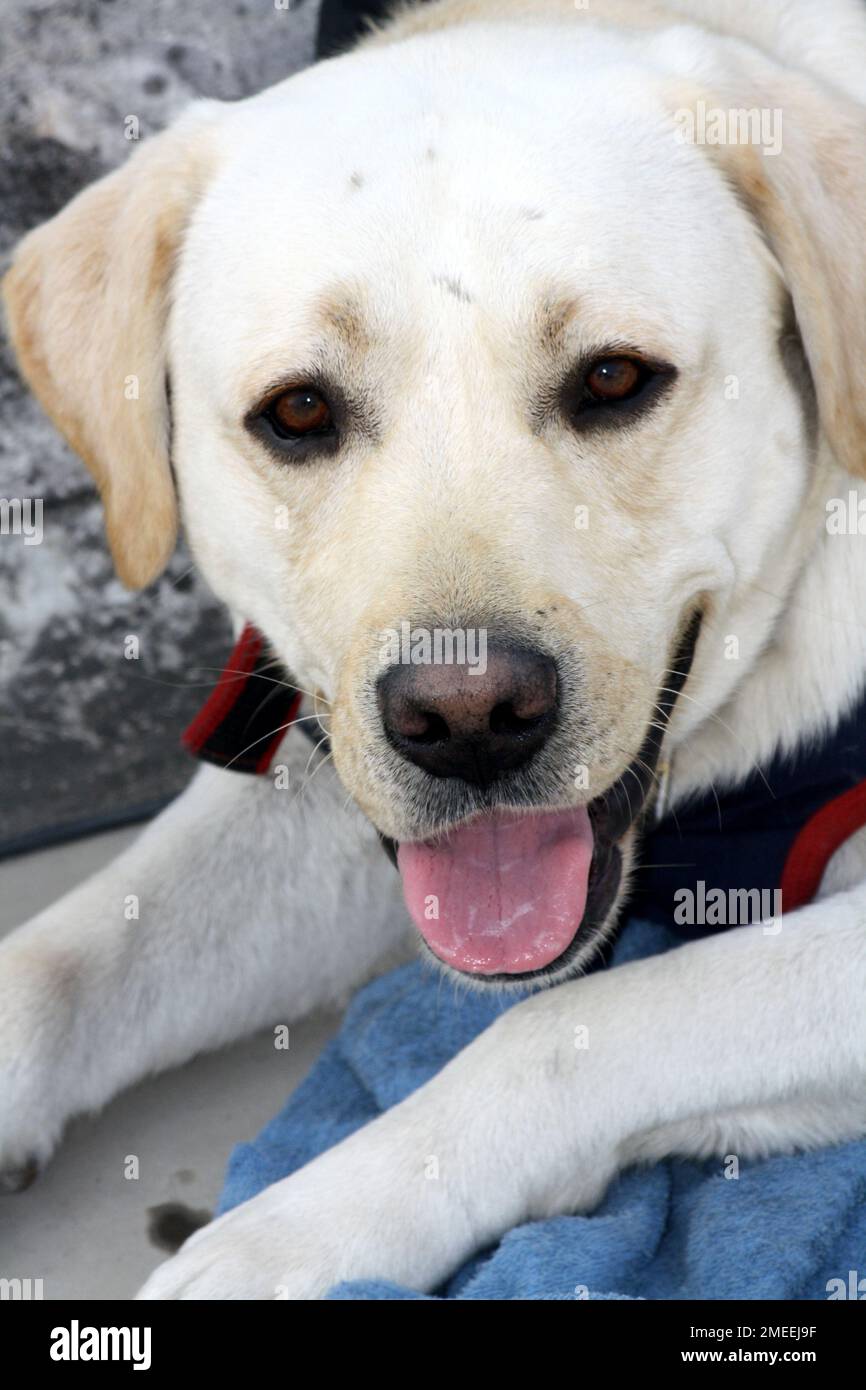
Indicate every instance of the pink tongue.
{"type": "Point", "coordinates": [502, 894]}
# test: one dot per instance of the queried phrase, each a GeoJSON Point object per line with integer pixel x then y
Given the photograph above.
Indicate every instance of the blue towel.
{"type": "Point", "coordinates": [678, 1230]}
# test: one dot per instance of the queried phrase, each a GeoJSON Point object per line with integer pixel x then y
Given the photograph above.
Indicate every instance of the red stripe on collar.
{"type": "Point", "coordinates": [245, 717]}
{"type": "Point", "coordinates": [821, 836]}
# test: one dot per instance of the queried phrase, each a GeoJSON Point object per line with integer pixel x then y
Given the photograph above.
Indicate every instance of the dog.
{"type": "Point", "coordinates": [532, 321]}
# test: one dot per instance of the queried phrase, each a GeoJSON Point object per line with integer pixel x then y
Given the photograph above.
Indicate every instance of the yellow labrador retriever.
{"type": "Point", "coordinates": [544, 325]}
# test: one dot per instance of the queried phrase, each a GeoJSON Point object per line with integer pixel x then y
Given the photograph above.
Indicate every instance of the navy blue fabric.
{"type": "Point", "coordinates": [783, 1229]}
{"type": "Point", "coordinates": [741, 838]}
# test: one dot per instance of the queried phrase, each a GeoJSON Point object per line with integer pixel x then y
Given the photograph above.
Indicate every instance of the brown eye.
{"type": "Point", "coordinates": [614, 379]}
{"type": "Point", "coordinates": [299, 412]}
{"type": "Point", "coordinates": [615, 389]}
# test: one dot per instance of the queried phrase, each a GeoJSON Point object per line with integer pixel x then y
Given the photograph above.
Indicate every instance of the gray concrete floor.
{"type": "Point", "coordinates": [83, 1228]}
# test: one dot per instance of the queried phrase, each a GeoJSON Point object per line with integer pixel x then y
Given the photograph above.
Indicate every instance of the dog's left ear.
{"type": "Point", "coordinates": [806, 187]}
{"type": "Point", "coordinates": [87, 301]}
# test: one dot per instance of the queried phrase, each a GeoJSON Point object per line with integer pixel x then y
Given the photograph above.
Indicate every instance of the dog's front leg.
{"type": "Point", "coordinates": [247, 902]}
{"type": "Point", "coordinates": [538, 1114]}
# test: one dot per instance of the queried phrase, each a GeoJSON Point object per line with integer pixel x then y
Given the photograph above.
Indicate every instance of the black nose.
{"type": "Point", "coordinates": [460, 721]}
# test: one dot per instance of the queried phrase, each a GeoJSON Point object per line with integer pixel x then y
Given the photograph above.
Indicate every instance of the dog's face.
{"type": "Point", "coordinates": [476, 422]}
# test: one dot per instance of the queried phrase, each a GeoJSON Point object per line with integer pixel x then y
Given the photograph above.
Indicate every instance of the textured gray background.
{"type": "Point", "coordinates": [84, 733]}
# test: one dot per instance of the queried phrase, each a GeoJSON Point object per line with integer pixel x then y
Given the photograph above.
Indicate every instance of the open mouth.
{"type": "Point", "coordinates": [504, 894]}
{"type": "Point", "coordinates": [522, 894]}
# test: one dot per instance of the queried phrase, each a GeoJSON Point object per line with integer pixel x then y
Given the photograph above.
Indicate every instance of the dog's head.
{"type": "Point", "coordinates": [477, 418]}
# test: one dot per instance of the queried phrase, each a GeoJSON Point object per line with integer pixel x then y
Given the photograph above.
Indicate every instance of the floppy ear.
{"type": "Point", "coordinates": [810, 202]}
{"type": "Point", "coordinates": [87, 301]}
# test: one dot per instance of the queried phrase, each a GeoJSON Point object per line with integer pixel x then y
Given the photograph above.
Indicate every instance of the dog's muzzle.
{"type": "Point", "coordinates": [504, 897]}
{"type": "Point", "coordinates": [521, 894]}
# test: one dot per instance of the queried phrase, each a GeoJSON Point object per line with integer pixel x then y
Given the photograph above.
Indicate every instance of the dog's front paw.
{"type": "Point", "coordinates": [362, 1210]}
{"type": "Point", "coordinates": [256, 1251]}
{"type": "Point", "coordinates": [37, 990]}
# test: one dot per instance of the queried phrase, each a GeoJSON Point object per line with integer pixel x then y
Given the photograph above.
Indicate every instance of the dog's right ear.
{"type": "Point", "coordinates": [87, 301]}
{"type": "Point", "coordinates": [808, 197]}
